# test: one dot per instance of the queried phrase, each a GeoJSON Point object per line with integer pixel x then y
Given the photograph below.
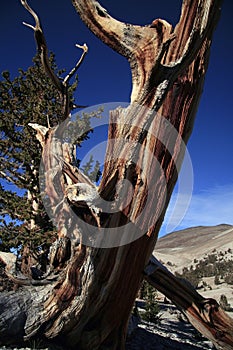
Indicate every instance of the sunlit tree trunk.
{"type": "Point", "coordinates": [86, 300]}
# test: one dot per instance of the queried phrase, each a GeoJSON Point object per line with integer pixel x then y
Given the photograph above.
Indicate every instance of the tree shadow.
{"type": "Point", "coordinates": [147, 339]}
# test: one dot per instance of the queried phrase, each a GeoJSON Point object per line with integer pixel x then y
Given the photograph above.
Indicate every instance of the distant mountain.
{"type": "Point", "coordinates": [182, 247]}
{"type": "Point", "coordinates": [204, 256]}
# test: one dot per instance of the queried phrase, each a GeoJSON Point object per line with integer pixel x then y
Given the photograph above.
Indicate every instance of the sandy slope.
{"type": "Point", "coordinates": [182, 247]}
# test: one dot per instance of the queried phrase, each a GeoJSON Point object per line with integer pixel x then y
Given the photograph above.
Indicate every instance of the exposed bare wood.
{"type": "Point", "coordinates": [42, 46]}
{"type": "Point", "coordinates": [88, 307]}
{"type": "Point", "coordinates": [61, 85]}
{"type": "Point", "coordinates": [78, 64]}
{"type": "Point", "coordinates": [205, 314]}
{"type": "Point", "coordinates": [157, 52]}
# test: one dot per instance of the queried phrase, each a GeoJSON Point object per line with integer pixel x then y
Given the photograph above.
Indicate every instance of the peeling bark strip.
{"type": "Point", "coordinates": [89, 305]}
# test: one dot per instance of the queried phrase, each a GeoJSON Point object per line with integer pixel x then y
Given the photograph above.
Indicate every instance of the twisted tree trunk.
{"type": "Point", "coordinates": [86, 298]}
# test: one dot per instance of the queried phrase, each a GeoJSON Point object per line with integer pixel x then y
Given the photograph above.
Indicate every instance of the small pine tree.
{"type": "Point", "coordinates": [152, 308]}
{"type": "Point", "coordinates": [91, 170]}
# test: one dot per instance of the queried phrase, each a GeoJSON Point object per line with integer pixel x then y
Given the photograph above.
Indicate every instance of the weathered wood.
{"type": "Point", "coordinates": [14, 306]}
{"type": "Point", "coordinates": [204, 314]}
{"type": "Point", "coordinates": [90, 304]}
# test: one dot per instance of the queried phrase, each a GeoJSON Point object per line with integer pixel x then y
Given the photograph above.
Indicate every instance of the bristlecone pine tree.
{"type": "Point", "coordinates": [85, 297]}
{"type": "Point", "coordinates": [25, 225]}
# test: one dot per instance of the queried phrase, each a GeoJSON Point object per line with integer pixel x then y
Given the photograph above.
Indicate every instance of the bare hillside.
{"type": "Point", "coordinates": [203, 253]}
{"type": "Point", "coordinates": [182, 247]}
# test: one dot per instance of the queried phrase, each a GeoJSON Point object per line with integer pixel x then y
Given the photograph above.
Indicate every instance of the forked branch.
{"type": "Point", "coordinates": [42, 47]}
{"type": "Point", "coordinates": [78, 64]}
{"type": "Point", "coordinates": [155, 64]}
{"type": "Point", "coordinates": [61, 85]}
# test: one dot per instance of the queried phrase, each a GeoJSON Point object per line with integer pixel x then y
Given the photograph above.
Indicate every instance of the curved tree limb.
{"type": "Point", "coordinates": [61, 85]}
{"type": "Point", "coordinates": [142, 46]}
{"type": "Point", "coordinates": [151, 48]}
{"type": "Point", "coordinates": [42, 47]}
{"type": "Point", "coordinates": [204, 314]}
{"type": "Point", "coordinates": [78, 64]}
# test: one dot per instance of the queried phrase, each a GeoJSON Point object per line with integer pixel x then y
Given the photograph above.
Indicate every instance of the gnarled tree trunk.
{"type": "Point", "coordinates": [86, 298]}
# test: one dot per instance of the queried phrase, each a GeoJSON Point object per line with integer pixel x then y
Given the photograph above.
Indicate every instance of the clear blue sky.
{"type": "Point", "coordinates": [105, 77]}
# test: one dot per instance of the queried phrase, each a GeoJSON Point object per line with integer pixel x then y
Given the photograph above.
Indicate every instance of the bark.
{"type": "Point", "coordinates": [89, 291]}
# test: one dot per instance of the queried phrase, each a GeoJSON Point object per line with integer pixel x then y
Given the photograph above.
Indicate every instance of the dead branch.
{"type": "Point", "coordinates": [204, 314]}
{"type": "Point", "coordinates": [42, 47]}
{"type": "Point", "coordinates": [61, 85]}
{"type": "Point", "coordinates": [9, 260]}
{"type": "Point", "coordinates": [156, 43]}
{"type": "Point", "coordinates": [78, 64]}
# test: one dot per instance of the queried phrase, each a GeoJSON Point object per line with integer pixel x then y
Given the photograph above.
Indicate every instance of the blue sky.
{"type": "Point", "coordinates": [105, 77]}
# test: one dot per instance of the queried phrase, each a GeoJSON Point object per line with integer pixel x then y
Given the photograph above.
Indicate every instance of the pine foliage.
{"type": "Point", "coordinates": [28, 98]}
{"type": "Point", "coordinates": [149, 295]}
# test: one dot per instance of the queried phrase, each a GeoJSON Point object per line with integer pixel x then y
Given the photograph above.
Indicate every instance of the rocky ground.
{"type": "Point", "coordinates": [172, 331]}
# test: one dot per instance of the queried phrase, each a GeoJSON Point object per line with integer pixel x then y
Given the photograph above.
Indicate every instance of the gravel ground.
{"type": "Point", "coordinates": [172, 331]}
